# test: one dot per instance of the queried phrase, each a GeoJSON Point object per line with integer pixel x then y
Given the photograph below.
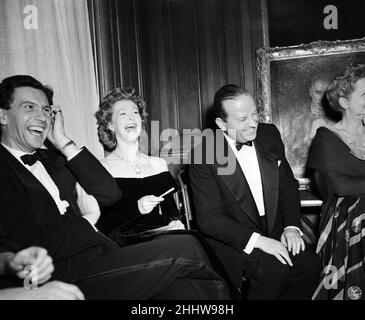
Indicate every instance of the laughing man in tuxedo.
{"type": "Point", "coordinates": [50, 199]}
{"type": "Point", "coordinates": [248, 206]}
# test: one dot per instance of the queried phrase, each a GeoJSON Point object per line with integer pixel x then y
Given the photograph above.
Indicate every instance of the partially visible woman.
{"type": "Point", "coordinates": [142, 179]}
{"type": "Point", "coordinates": [338, 159]}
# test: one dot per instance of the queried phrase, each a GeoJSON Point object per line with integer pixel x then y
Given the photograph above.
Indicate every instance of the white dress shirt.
{"type": "Point", "coordinates": [88, 205]}
{"type": "Point", "coordinates": [247, 160]}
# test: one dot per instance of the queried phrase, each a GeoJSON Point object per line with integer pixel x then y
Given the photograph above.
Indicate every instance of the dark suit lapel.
{"type": "Point", "coordinates": [237, 184]}
{"type": "Point", "coordinates": [39, 197]}
{"type": "Point", "coordinates": [55, 166]}
{"type": "Point", "coordinates": [270, 183]}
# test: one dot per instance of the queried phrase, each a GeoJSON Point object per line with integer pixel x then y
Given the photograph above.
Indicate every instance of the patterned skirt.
{"type": "Point", "coordinates": [341, 247]}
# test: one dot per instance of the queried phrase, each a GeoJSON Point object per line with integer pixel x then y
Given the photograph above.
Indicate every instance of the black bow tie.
{"type": "Point", "coordinates": [31, 159]}
{"type": "Point", "coordinates": [239, 144]}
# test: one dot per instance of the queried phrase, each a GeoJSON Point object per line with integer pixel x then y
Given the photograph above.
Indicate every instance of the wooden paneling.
{"type": "Point", "coordinates": [102, 43]}
{"type": "Point", "coordinates": [128, 46]}
{"type": "Point", "coordinates": [156, 61]}
{"type": "Point", "coordinates": [185, 54]}
{"type": "Point", "coordinates": [211, 67]}
{"type": "Point", "coordinates": [232, 49]}
{"type": "Point", "coordinates": [177, 52]}
{"type": "Point", "coordinates": [116, 49]}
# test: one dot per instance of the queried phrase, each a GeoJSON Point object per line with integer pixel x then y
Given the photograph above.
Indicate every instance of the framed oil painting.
{"type": "Point", "coordinates": [291, 85]}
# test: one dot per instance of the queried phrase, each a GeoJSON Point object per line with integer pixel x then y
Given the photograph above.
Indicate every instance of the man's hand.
{"type": "Point", "coordinates": [37, 258]}
{"type": "Point", "coordinates": [147, 203]}
{"type": "Point", "coordinates": [292, 239]}
{"type": "Point", "coordinates": [53, 290]}
{"type": "Point", "coordinates": [56, 290]}
{"type": "Point", "coordinates": [56, 133]}
{"type": "Point", "coordinates": [275, 248]}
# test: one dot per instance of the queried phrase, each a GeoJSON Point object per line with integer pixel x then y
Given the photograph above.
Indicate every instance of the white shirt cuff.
{"type": "Point", "coordinates": [251, 243]}
{"type": "Point", "coordinates": [95, 228]}
{"type": "Point", "coordinates": [73, 155]}
{"type": "Point", "coordinates": [300, 231]}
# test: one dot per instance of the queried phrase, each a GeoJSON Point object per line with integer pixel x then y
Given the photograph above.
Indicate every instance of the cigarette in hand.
{"type": "Point", "coordinates": [167, 192]}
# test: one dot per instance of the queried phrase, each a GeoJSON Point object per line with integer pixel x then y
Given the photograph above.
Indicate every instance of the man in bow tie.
{"type": "Point", "coordinates": [249, 207]}
{"type": "Point", "coordinates": [50, 199]}
{"type": "Point", "coordinates": [27, 119]}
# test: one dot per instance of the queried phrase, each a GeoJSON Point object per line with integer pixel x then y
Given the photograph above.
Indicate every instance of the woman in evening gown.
{"type": "Point", "coordinates": [338, 160]}
{"type": "Point", "coordinates": [143, 179]}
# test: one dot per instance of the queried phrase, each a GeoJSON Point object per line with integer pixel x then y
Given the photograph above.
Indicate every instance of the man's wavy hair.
{"type": "Point", "coordinates": [105, 113]}
{"type": "Point", "coordinates": [227, 92]}
{"type": "Point", "coordinates": [8, 86]}
{"type": "Point", "coordinates": [343, 85]}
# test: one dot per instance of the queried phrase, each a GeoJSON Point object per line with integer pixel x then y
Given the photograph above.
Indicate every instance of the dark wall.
{"type": "Point", "coordinates": [191, 48]}
{"type": "Point", "coordinates": [293, 22]}
{"type": "Point", "coordinates": [176, 52]}
{"type": "Point", "coordinates": [115, 44]}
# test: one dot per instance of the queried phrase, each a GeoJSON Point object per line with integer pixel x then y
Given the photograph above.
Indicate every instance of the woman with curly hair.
{"type": "Point", "coordinates": [143, 179]}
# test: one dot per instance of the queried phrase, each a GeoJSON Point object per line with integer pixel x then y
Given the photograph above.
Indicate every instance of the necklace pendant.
{"type": "Point", "coordinates": [138, 170]}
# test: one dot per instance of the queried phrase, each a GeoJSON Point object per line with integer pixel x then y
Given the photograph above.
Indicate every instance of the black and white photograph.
{"type": "Point", "coordinates": [184, 157]}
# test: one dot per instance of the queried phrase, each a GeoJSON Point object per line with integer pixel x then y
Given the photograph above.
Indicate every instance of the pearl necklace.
{"type": "Point", "coordinates": [137, 169]}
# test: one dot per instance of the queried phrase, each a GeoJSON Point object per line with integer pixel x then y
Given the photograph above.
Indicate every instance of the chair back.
{"type": "Point", "coordinates": [187, 205]}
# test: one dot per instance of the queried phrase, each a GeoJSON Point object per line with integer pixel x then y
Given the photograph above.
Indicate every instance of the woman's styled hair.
{"type": "Point", "coordinates": [343, 85]}
{"type": "Point", "coordinates": [105, 113]}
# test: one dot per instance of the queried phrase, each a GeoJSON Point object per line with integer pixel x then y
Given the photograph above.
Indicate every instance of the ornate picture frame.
{"type": "Point", "coordinates": [287, 79]}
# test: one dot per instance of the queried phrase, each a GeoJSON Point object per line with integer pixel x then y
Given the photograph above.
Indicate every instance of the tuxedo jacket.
{"type": "Point", "coordinates": [30, 217]}
{"type": "Point", "coordinates": [225, 210]}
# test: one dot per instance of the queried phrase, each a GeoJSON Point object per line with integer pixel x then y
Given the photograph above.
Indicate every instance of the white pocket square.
{"type": "Point", "coordinates": [279, 163]}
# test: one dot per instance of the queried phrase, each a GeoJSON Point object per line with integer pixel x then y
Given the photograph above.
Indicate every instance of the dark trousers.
{"type": "Point", "coordinates": [166, 267]}
{"type": "Point", "coordinates": [269, 279]}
